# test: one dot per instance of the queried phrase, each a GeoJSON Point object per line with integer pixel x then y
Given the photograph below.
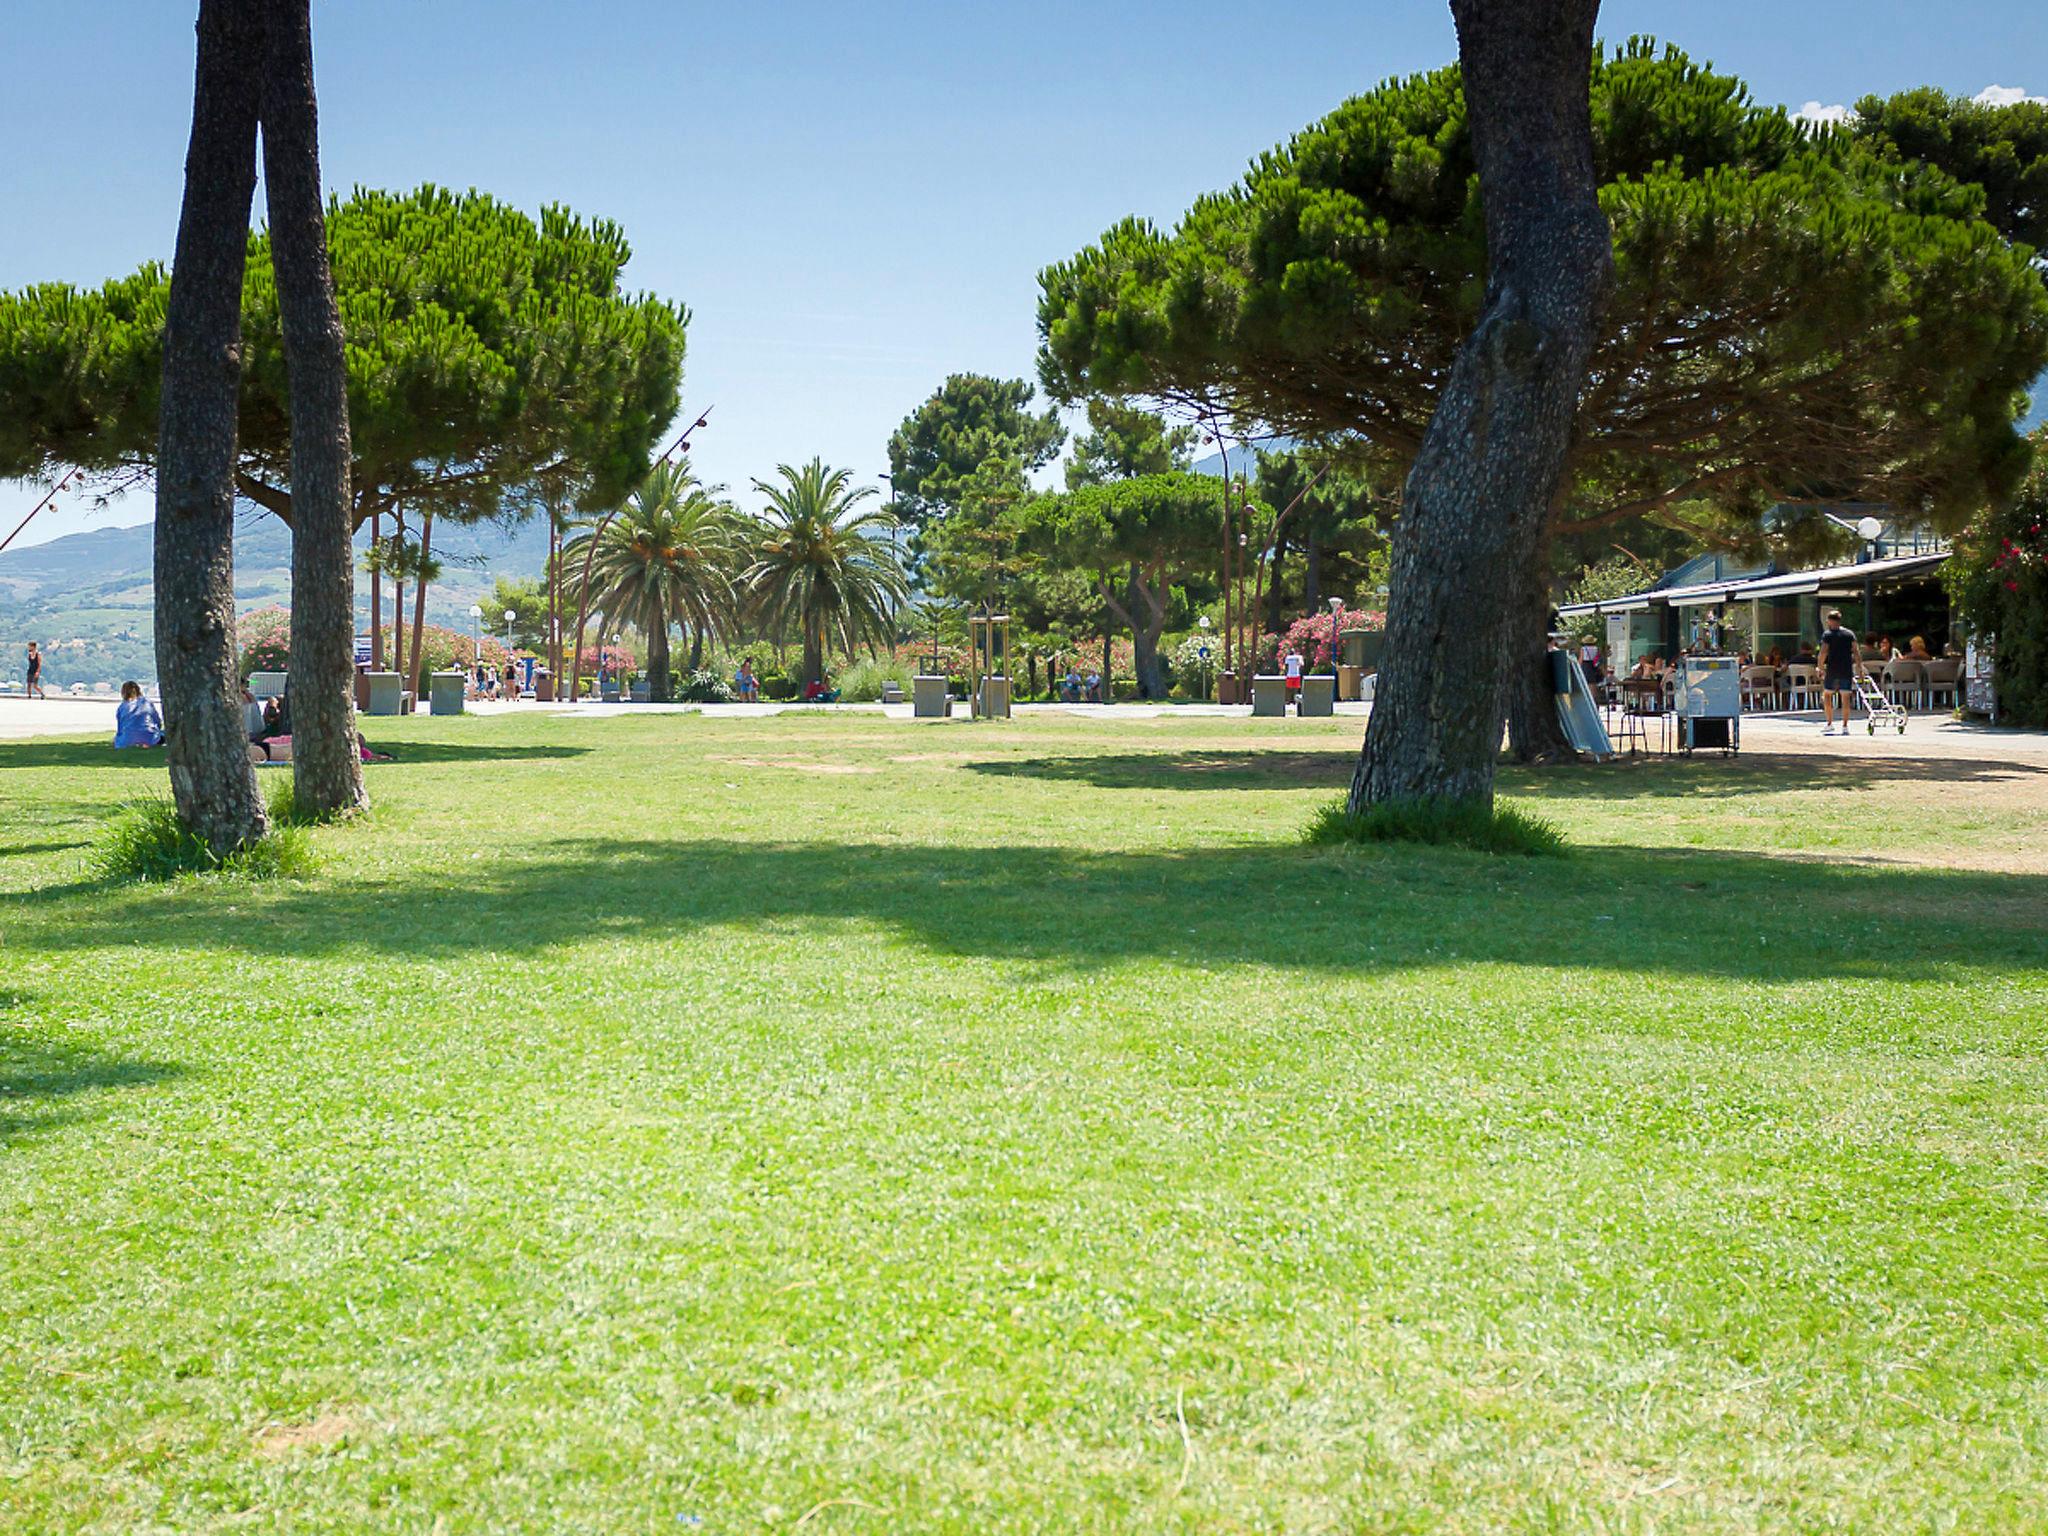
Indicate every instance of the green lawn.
{"type": "Point", "coordinates": [672, 1124]}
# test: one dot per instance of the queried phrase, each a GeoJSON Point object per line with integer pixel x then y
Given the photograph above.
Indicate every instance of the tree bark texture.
{"type": "Point", "coordinates": [1534, 733]}
{"type": "Point", "coordinates": [212, 782]}
{"type": "Point", "coordinates": [1474, 506]}
{"type": "Point", "coordinates": [419, 604]}
{"type": "Point", "coordinates": [376, 596]}
{"type": "Point", "coordinates": [398, 593]}
{"type": "Point", "coordinates": [327, 773]}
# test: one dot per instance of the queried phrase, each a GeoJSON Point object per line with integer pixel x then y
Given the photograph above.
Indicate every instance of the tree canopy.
{"type": "Point", "coordinates": [2002, 150]}
{"type": "Point", "coordinates": [1791, 315]}
{"type": "Point", "coordinates": [1135, 538]}
{"type": "Point", "coordinates": [486, 353]}
{"type": "Point", "coordinates": [967, 421]}
{"type": "Point", "coordinates": [1124, 441]}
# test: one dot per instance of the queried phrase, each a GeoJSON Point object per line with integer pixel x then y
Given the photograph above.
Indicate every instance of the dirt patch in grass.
{"type": "Point", "coordinates": [315, 1434]}
{"type": "Point", "coordinates": [799, 764]}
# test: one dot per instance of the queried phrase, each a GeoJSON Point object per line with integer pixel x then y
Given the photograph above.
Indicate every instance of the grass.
{"type": "Point", "coordinates": [1500, 827]}
{"type": "Point", "coordinates": [827, 1123]}
{"type": "Point", "coordinates": [145, 842]}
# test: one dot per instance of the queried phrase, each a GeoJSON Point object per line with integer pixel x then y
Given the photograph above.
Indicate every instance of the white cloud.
{"type": "Point", "coordinates": [1814, 112]}
{"type": "Point", "coordinates": [2005, 96]}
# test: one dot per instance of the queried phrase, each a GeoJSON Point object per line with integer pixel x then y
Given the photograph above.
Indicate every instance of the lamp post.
{"type": "Point", "coordinates": [476, 637]}
{"type": "Point", "coordinates": [1336, 611]}
{"type": "Point", "coordinates": [1203, 621]}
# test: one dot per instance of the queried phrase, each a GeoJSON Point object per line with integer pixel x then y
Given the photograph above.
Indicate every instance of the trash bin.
{"type": "Point", "coordinates": [447, 693]}
{"type": "Point", "coordinates": [1318, 694]}
{"type": "Point", "coordinates": [386, 693]}
{"type": "Point", "coordinates": [1349, 680]}
{"type": "Point", "coordinates": [1226, 688]}
{"type": "Point", "coordinates": [929, 699]}
{"type": "Point", "coordinates": [544, 686]}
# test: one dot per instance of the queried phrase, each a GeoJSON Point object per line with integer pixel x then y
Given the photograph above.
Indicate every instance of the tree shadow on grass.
{"type": "Point", "coordinates": [37, 1078]}
{"type": "Point", "coordinates": [1643, 777]}
{"type": "Point", "coordinates": [1615, 910]}
{"type": "Point", "coordinates": [97, 754]}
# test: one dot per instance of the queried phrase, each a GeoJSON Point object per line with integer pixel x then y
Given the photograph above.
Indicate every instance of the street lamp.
{"type": "Point", "coordinates": [1336, 609]}
{"type": "Point", "coordinates": [476, 634]}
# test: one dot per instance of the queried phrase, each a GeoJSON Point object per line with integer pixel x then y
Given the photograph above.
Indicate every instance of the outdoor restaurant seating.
{"type": "Point", "coordinates": [1902, 682]}
{"type": "Point", "coordinates": [1944, 678]}
{"type": "Point", "coordinates": [1799, 685]}
{"type": "Point", "coordinates": [1759, 687]}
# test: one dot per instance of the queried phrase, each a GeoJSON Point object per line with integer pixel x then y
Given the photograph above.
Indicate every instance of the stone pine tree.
{"type": "Point", "coordinates": [1795, 316]}
{"type": "Point", "coordinates": [1478, 499]}
{"type": "Point", "coordinates": [212, 781]}
{"type": "Point", "coordinates": [327, 775]}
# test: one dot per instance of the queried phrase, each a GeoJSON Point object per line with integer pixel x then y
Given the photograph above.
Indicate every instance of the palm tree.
{"type": "Point", "coordinates": [820, 563]}
{"type": "Point", "coordinates": [669, 556]}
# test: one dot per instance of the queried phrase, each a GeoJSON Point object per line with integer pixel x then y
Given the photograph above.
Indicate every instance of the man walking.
{"type": "Point", "coordinates": [35, 671]}
{"type": "Point", "coordinates": [1840, 660]}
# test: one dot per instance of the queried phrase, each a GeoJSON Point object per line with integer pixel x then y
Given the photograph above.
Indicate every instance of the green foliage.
{"type": "Point", "coordinates": [1123, 442]}
{"type": "Point", "coordinates": [146, 842]}
{"type": "Point", "coordinates": [1494, 827]}
{"type": "Point", "coordinates": [967, 421]}
{"type": "Point", "coordinates": [861, 683]}
{"type": "Point", "coordinates": [703, 686]}
{"type": "Point", "coordinates": [1998, 577]}
{"type": "Point", "coordinates": [1790, 315]}
{"type": "Point", "coordinates": [821, 563]}
{"type": "Point", "coordinates": [527, 597]}
{"type": "Point", "coordinates": [2001, 150]}
{"type": "Point", "coordinates": [1618, 575]}
{"type": "Point", "coordinates": [486, 352]}
{"type": "Point", "coordinates": [672, 555]}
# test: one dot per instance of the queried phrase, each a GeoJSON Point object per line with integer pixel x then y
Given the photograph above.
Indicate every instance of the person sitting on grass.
{"type": "Point", "coordinates": [815, 692]}
{"type": "Point", "coordinates": [136, 721]}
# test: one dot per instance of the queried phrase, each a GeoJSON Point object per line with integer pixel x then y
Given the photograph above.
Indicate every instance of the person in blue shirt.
{"type": "Point", "coordinates": [136, 721]}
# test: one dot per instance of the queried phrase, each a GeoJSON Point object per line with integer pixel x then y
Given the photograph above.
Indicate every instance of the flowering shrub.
{"type": "Point", "coordinates": [263, 638]}
{"type": "Point", "coordinates": [444, 650]}
{"type": "Point", "coordinates": [1313, 636]}
{"type": "Point", "coordinates": [615, 659]}
{"type": "Point", "coordinates": [1998, 578]}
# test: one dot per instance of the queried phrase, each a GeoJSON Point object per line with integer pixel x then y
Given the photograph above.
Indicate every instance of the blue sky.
{"type": "Point", "coordinates": [853, 201]}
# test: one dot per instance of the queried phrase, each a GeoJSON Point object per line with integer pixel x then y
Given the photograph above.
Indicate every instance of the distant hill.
{"type": "Point", "coordinates": [86, 596]}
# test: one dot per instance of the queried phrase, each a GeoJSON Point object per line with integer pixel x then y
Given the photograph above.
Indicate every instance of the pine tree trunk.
{"type": "Point", "coordinates": [376, 596]}
{"type": "Point", "coordinates": [1534, 733]}
{"type": "Point", "coordinates": [207, 751]}
{"type": "Point", "coordinates": [1274, 610]}
{"type": "Point", "coordinates": [1147, 613]}
{"type": "Point", "coordinates": [327, 774]}
{"type": "Point", "coordinates": [419, 602]}
{"type": "Point", "coordinates": [398, 594]}
{"type": "Point", "coordinates": [1476, 501]}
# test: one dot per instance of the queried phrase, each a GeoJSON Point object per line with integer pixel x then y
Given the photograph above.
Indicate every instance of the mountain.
{"type": "Point", "coordinates": [87, 597]}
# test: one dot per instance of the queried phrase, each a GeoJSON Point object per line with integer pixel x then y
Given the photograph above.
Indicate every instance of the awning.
{"type": "Point", "coordinates": [1635, 604]}
{"type": "Point", "coordinates": [1804, 583]}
